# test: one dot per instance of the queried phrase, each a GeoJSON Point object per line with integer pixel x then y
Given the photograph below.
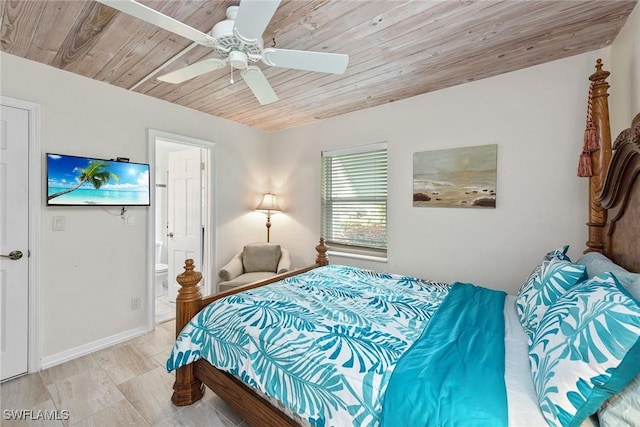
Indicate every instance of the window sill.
{"type": "Point", "coordinates": [373, 258]}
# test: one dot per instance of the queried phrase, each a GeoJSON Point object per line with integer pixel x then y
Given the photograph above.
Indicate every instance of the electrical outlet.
{"type": "Point", "coordinates": [135, 303]}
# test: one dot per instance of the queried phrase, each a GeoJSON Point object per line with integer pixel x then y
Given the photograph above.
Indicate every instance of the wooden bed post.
{"type": "Point", "coordinates": [600, 159]}
{"type": "Point", "coordinates": [187, 388]}
{"type": "Point", "coordinates": [321, 257]}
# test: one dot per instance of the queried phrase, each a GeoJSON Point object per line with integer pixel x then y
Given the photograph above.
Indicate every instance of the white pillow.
{"type": "Point", "coordinates": [634, 288]}
{"type": "Point", "coordinates": [623, 408]}
{"type": "Point", "coordinates": [597, 263]}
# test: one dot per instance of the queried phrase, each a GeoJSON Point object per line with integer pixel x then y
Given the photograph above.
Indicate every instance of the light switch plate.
{"type": "Point", "coordinates": [59, 223]}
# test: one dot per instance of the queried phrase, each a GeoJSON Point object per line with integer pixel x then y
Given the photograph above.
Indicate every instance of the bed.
{"type": "Point", "coordinates": [501, 361]}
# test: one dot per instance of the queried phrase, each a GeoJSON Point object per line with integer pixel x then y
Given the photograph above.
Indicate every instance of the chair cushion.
{"type": "Point", "coordinates": [261, 257]}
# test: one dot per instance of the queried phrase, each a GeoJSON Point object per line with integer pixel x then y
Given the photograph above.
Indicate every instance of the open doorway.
{"type": "Point", "coordinates": [182, 211]}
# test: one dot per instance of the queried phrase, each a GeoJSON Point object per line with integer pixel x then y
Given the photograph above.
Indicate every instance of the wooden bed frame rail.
{"type": "Point", "coordinates": [188, 387]}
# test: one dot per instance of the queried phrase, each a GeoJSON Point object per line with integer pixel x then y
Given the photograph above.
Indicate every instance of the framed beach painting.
{"type": "Point", "coordinates": [457, 177]}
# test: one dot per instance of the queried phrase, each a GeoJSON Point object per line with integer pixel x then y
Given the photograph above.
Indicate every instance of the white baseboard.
{"type": "Point", "coordinates": [83, 350]}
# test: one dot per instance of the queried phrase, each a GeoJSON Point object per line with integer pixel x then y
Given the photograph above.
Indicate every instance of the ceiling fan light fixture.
{"type": "Point", "coordinates": [238, 60]}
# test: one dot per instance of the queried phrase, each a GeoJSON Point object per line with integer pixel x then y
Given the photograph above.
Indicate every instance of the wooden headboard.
{"type": "Point", "coordinates": [620, 197]}
{"type": "Point", "coordinates": [614, 187]}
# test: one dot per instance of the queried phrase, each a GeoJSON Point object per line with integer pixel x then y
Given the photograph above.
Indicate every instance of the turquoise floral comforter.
{"type": "Point", "coordinates": [340, 346]}
{"type": "Point", "coordinates": [324, 343]}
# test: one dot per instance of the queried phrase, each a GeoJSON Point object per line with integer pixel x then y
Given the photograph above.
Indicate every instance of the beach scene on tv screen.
{"type": "Point", "coordinates": [83, 181]}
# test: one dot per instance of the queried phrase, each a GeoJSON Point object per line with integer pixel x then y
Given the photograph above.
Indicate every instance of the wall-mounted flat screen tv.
{"type": "Point", "coordinates": [85, 181]}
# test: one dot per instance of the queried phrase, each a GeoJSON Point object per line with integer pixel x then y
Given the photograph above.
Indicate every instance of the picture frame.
{"type": "Point", "coordinates": [456, 177]}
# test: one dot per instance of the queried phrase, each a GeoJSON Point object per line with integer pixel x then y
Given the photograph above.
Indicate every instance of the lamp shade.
{"type": "Point", "coordinates": [269, 203]}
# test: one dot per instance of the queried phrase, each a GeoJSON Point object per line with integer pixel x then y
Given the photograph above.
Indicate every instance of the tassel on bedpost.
{"type": "Point", "coordinates": [187, 389]}
{"type": "Point", "coordinates": [584, 165]}
{"type": "Point", "coordinates": [591, 139]}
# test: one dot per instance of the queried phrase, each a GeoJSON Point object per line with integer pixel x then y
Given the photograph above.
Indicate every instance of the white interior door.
{"type": "Point", "coordinates": [14, 241]}
{"type": "Point", "coordinates": [185, 213]}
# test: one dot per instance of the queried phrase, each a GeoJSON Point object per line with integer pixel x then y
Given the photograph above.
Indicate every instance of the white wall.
{"type": "Point", "coordinates": [536, 116]}
{"type": "Point", "coordinates": [624, 102]}
{"type": "Point", "coordinates": [90, 271]}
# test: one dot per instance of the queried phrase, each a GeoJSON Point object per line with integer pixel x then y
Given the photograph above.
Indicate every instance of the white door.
{"type": "Point", "coordinates": [14, 241]}
{"type": "Point", "coordinates": [185, 213]}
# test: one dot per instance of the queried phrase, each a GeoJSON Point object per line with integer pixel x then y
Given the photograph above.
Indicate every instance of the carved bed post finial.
{"type": "Point", "coordinates": [600, 158]}
{"type": "Point", "coordinates": [187, 389]}
{"type": "Point", "coordinates": [321, 249]}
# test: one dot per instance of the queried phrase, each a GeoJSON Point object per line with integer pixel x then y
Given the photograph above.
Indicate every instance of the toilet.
{"type": "Point", "coordinates": [162, 272]}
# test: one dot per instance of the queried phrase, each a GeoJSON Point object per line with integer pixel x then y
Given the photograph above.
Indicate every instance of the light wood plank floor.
{"type": "Point", "coordinates": [126, 384]}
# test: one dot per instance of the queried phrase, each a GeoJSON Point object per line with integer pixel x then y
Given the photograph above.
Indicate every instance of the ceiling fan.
{"type": "Point", "coordinates": [238, 42]}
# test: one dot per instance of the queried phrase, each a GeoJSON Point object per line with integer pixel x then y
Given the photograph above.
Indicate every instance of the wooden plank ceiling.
{"type": "Point", "coordinates": [397, 48]}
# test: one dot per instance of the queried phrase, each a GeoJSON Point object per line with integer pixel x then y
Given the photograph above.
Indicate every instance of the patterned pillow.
{"type": "Point", "coordinates": [551, 279]}
{"type": "Point", "coordinates": [586, 348]}
{"type": "Point", "coordinates": [560, 253]}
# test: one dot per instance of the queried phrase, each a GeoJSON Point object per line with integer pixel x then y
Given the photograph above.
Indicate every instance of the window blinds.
{"type": "Point", "coordinates": [354, 196]}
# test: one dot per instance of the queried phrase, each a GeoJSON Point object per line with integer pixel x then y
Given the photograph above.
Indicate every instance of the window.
{"type": "Point", "coordinates": [354, 197]}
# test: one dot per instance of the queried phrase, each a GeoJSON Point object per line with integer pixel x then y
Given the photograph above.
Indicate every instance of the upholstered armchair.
{"type": "Point", "coordinates": [256, 261]}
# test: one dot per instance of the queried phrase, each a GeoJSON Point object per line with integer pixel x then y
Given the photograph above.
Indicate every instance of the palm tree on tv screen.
{"type": "Point", "coordinates": [95, 173]}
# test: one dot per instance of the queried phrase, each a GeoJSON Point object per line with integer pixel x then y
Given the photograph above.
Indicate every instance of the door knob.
{"type": "Point", "coordinates": [14, 255]}
{"type": "Point", "coordinates": [170, 234]}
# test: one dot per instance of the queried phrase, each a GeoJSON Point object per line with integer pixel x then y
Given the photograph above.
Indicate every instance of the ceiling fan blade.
{"type": "Point", "coordinates": [193, 70]}
{"type": "Point", "coordinates": [334, 63]}
{"type": "Point", "coordinates": [259, 85]}
{"type": "Point", "coordinates": [253, 18]}
{"type": "Point", "coordinates": [152, 16]}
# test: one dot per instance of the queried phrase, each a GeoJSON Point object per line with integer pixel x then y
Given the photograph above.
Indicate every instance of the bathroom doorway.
{"type": "Point", "coordinates": [182, 215]}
